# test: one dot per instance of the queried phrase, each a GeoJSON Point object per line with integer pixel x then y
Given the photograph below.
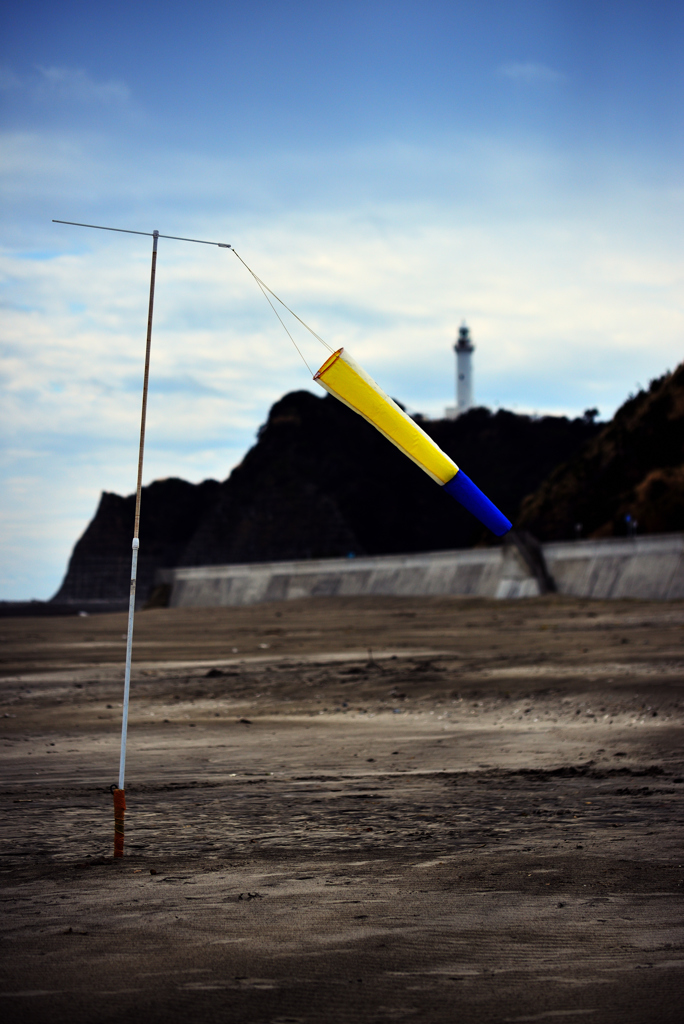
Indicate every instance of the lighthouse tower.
{"type": "Point", "coordinates": [464, 349]}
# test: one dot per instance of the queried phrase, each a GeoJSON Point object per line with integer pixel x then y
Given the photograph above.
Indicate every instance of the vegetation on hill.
{"type": "Point", "coordinates": [633, 467]}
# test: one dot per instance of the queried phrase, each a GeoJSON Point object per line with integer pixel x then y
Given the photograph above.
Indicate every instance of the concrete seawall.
{"type": "Point", "coordinates": [645, 567]}
{"type": "Point", "coordinates": [651, 567]}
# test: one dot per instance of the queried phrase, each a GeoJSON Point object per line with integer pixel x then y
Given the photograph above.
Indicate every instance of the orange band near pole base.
{"type": "Point", "coordinates": [119, 809]}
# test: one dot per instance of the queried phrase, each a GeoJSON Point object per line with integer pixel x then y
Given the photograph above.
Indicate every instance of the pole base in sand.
{"type": "Point", "coordinates": [119, 810]}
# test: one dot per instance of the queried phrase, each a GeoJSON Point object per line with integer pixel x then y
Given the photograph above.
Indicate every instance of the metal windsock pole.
{"type": "Point", "coordinates": [118, 792]}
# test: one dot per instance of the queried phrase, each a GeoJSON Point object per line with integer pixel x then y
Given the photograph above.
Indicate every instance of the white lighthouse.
{"type": "Point", "coordinates": [464, 349]}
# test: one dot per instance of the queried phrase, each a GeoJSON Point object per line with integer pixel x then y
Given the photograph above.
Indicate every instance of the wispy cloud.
{"type": "Point", "coordinates": [530, 71]}
{"type": "Point", "coordinates": [76, 84]}
{"type": "Point", "coordinates": [67, 84]}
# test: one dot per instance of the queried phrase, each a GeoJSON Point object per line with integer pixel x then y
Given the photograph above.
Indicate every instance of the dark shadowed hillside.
{"type": "Point", "coordinates": [634, 466]}
{"type": "Point", "coordinates": [320, 482]}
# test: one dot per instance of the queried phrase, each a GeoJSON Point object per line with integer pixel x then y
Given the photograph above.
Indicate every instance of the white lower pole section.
{"type": "Point", "coordinates": [464, 381]}
{"type": "Point", "coordinates": [127, 675]}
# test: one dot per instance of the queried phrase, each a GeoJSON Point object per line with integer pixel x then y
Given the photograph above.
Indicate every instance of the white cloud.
{"type": "Point", "coordinates": [529, 71]}
{"type": "Point", "coordinates": [571, 295]}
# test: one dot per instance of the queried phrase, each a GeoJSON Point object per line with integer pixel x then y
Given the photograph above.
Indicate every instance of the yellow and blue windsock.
{"type": "Point", "coordinates": [346, 380]}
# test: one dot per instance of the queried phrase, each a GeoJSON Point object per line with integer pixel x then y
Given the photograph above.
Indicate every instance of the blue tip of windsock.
{"type": "Point", "coordinates": [462, 488]}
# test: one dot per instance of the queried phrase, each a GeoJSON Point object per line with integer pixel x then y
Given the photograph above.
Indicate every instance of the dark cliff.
{"type": "Point", "coordinates": [100, 565]}
{"type": "Point", "coordinates": [320, 482]}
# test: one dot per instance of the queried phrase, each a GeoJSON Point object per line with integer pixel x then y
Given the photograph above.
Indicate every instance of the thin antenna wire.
{"type": "Point", "coordinates": [263, 286]}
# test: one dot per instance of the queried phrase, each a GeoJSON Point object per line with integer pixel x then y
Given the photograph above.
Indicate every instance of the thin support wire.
{"type": "Point", "coordinates": [301, 354]}
{"type": "Point", "coordinates": [264, 288]}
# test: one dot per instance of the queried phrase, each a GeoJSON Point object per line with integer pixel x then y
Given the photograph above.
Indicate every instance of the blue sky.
{"type": "Point", "coordinates": [389, 168]}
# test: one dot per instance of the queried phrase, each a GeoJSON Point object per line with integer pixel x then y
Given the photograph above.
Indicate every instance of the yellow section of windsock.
{"type": "Point", "coordinates": [346, 380]}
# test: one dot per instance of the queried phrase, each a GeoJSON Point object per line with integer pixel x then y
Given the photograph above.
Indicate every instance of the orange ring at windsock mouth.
{"type": "Point", "coordinates": [328, 363]}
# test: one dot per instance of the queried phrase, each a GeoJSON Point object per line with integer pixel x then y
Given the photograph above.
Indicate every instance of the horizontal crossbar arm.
{"type": "Point", "coordinates": [150, 234]}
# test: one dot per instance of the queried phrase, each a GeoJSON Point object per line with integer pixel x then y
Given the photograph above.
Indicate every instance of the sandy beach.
{"type": "Point", "coordinates": [345, 811]}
